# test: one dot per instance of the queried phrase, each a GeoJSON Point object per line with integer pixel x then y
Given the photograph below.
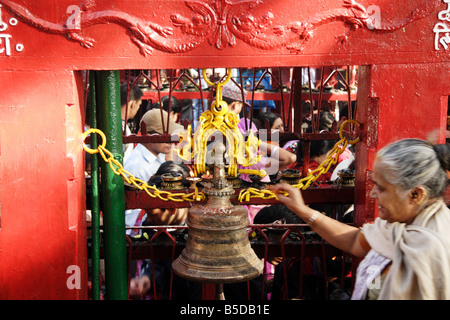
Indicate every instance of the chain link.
{"type": "Point", "coordinates": [244, 196]}
{"type": "Point", "coordinates": [151, 190]}
{"type": "Point", "coordinates": [313, 175]}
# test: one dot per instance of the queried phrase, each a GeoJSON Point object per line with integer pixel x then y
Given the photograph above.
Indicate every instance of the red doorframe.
{"type": "Point", "coordinates": [42, 226]}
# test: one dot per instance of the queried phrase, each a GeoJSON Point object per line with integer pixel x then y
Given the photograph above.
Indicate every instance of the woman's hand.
{"type": "Point", "coordinates": [338, 234]}
{"type": "Point", "coordinates": [139, 287]}
{"type": "Point", "coordinates": [293, 199]}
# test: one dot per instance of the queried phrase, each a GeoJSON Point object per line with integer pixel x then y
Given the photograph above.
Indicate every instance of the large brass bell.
{"type": "Point", "coordinates": [218, 249]}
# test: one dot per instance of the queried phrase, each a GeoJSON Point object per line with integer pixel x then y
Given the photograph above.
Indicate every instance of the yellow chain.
{"type": "Point", "coordinates": [313, 175]}
{"type": "Point", "coordinates": [244, 195]}
{"type": "Point", "coordinates": [219, 119]}
{"type": "Point", "coordinates": [118, 169]}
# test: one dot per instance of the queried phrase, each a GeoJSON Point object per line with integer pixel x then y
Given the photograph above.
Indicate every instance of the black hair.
{"type": "Point", "coordinates": [170, 167]}
{"type": "Point", "coordinates": [276, 212]}
{"type": "Point", "coordinates": [326, 120]}
{"type": "Point", "coordinates": [229, 100]}
{"type": "Point", "coordinates": [257, 123]}
{"type": "Point", "coordinates": [134, 95]}
{"type": "Point", "coordinates": [317, 148]}
{"type": "Point", "coordinates": [175, 104]}
{"type": "Point", "coordinates": [321, 147]}
{"type": "Point", "coordinates": [270, 116]}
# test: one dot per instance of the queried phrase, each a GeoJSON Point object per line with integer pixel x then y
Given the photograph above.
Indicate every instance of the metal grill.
{"type": "Point", "coordinates": [300, 95]}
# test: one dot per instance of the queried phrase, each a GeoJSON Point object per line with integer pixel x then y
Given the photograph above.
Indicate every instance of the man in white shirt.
{"type": "Point", "coordinates": [145, 159]}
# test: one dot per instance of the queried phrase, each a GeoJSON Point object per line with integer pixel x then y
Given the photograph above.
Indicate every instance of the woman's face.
{"type": "Point", "coordinates": [393, 204]}
{"type": "Point", "coordinates": [278, 125]}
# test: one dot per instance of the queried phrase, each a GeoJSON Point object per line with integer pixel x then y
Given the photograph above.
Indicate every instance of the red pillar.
{"type": "Point", "coordinates": [395, 102]}
{"type": "Point", "coordinates": [42, 197]}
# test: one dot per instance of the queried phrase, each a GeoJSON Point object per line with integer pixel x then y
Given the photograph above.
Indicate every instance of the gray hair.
{"type": "Point", "coordinates": [414, 162]}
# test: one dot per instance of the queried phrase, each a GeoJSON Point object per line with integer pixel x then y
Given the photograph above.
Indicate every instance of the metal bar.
{"type": "Point", "coordinates": [172, 258]}
{"type": "Point", "coordinates": [296, 94]}
{"type": "Point", "coordinates": [95, 197]}
{"type": "Point", "coordinates": [129, 261]}
{"type": "Point", "coordinates": [349, 94]}
{"type": "Point", "coordinates": [302, 264]}
{"type": "Point", "coordinates": [266, 247]}
{"type": "Point", "coordinates": [152, 94]}
{"type": "Point", "coordinates": [292, 127]}
{"type": "Point", "coordinates": [113, 200]}
{"type": "Point", "coordinates": [332, 194]}
{"type": "Point", "coordinates": [324, 270]}
{"type": "Point", "coordinates": [141, 249]}
{"type": "Point", "coordinates": [284, 292]}
{"type": "Point", "coordinates": [319, 105]}
{"type": "Point", "coordinates": [253, 94]}
{"type": "Point", "coordinates": [285, 265]}
{"type": "Point", "coordinates": [152, 259]}
{"type": "Point", "coordinates": [200, 75]}
{"type": "Point", "coordinates": [311, 101]}
{"type": "Point", "coordinates": [283, 114]}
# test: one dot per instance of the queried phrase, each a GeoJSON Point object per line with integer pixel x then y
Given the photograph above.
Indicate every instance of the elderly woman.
{"type": "Point", "coordinates": [407, 249]}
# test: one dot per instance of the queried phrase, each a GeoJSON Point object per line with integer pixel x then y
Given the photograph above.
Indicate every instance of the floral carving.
{"type": "Point", "coordinates": [231, 20]}
{"type": "Point", "coordinates": [214, 18]}
{"type": "Point", "coordinates": [219, 22]}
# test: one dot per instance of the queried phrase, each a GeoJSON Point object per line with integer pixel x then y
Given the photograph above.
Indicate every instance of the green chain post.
{"type": "Point", "coordinates": [95, 196]}
{"type": "Point", "coordinates": [113, 196]}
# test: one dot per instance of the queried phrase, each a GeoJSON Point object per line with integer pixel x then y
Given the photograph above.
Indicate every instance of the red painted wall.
{"type": "Point", "coordinates": [410, 100]}
{"type": "Point", "coordinates": [395, 102]}
{"type": "Point", "coordinates": [42, 228]}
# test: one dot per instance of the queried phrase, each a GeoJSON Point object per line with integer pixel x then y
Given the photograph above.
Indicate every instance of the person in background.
{"type": "Point", "coordinates": [326, 120]}
{"type": "Point", "coordinates": [171, 216]}
{"type": "Point", "coordinates": [274, 123]}
{"type": "Point", "coordinates": [319, 151]}
{"type": "Point", "coordinates": [175, 107]}
{"type": "Point", "coordinates": [276, 159]}
{"type": "Point", "coordinates": [145, 159]}
{"type": "Point", "coordinates": [274, 119]}
{"type": "Point", "coordinates": [181, 289]}
{"type": "Point", "coordinates": [235, 99]}
{"type": "Point", "coordinates": [279, 214]}
{"type": "Point", "coordinates": [273, 160]}
{"type": "Point", "coordinates": [406, 250]}
{"type": "Point", "coordinates": [130, 102]}
{"type": "Point", "coordinates": [311, 268]}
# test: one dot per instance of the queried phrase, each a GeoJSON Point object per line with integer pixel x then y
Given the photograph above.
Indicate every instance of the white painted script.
{"type": "Point", "coordinates": [6, 46]}
{"type": "Point", "coordinates": [442, 29]}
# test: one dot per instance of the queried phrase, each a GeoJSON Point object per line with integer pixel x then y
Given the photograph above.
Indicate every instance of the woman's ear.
{"type": "Point", "coordinates": [418, 195]}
